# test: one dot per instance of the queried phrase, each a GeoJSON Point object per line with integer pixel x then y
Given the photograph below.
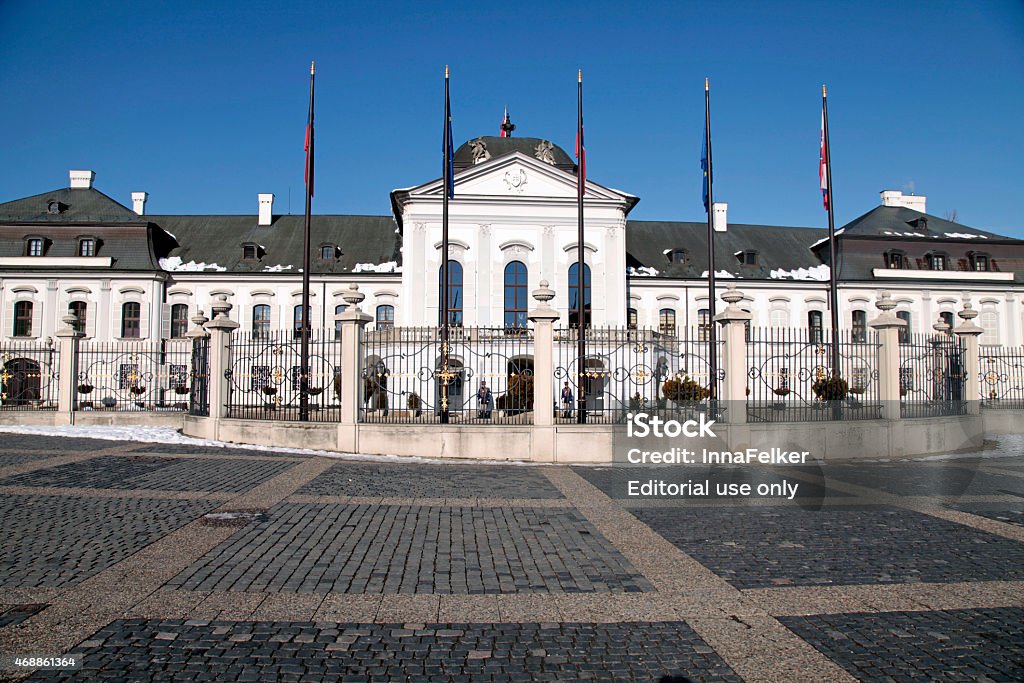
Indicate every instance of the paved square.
{"type": "Point", "coordinates": [958, 645]}
{"type": "Point", "coordinates": [919, 479]}
{"type": "Point", "coordinates": [398, 480]}
{"type": "Point", "coordinates": [60, 540]}
{"type": "Point", "coordinates": [776, 546]}
{"type": "Point", "coordinates": [154, 472]}
{"type": "Point", "coordinates": [297, 651]}
{"type": "Point", "coordinates": [407, 549]}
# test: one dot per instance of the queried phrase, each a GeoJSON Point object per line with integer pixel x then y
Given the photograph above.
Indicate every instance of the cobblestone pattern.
{"type": "Point", "coordinates": [52, 541]}
{"type": "Point", "coordinates": [18, 443]}
{"type": "Point", "coordinates": [189, 651]}
{"type": "Point", "coordinates": [410, 549]}
{"type": "Point", "coordinates": [149, 472]}
{"type": "Point", "coordinates": [920, 479]}
{"type": "Point", "coordinates": [764, 547]}
{"type": "Point", "coordinates": [956, 645]}
{"type": "Point", "coordinates": [19, 613]}
{"type": "Point", "coordinates": [614, 481]}
{"type": "Point", "coordinates": [1009, 513]}
{"type": "Point", "coordinates": [8, 459]}
{"type": "Point", "coordinates": [195, 449]}
{"type": "Point", "coordinates": [399, 480]}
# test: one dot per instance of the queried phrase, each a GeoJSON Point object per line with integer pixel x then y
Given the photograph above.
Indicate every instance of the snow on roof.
{"type": "Point", "coordinates": [389, 267]}
{"type": "Point", "coordinates": [174, 263]}
{"type": "Point", "coordinates": [642, 271]}
{"type": "Point", "coordinates": [825, 239]}
{"type": "Point", "coordinates": [818, 273]}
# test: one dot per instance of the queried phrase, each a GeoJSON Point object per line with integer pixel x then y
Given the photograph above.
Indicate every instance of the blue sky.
{"type": "Point", "coordinates": [204, 105]}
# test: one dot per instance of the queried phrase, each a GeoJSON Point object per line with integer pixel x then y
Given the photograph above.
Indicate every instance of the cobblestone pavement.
{"type": "Point", "coordinates": [466, 572]}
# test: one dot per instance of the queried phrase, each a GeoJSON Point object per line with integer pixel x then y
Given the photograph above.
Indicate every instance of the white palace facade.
{"type": "Point", "coordinates": [513, 223]}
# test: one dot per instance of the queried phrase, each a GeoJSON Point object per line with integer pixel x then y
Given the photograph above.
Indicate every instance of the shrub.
{"type": "Point", "coordinates": [830, 388]}
{"type": "Point", "coordinates": [519, 395]}
{"type": "Point", "coordinates": [684, 389]}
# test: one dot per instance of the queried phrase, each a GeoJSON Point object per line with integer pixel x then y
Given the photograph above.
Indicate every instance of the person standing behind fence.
{"type": "Point", "coordinates": [567, 401]}
{"type": "Point", "coordinates": [485, 400]}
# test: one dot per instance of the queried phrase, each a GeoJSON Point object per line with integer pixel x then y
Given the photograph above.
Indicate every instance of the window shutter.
{"type": "Point", "coordinates": [90, 319]}
{"type": "Point", "coordinates": [962, 264]}
{"type": "Point", "coordinates": [245, 319]}
{"type": "Point", "coordinates": [165, 321]}
{"type": "Point", "coordinates": [37, 319]}
{"type": "Point", "coordinates": [144, 313]}
{"type": "Point", "coordinates": [992, 264]}
{"type": "Point", "coordinates": [8, 322]}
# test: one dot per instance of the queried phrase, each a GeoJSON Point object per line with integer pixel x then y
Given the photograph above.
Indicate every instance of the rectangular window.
{"type": "Point", "coordinates": [704, 324]}
{"type": "Point", "coordinates": [131, 320]}
{"type": "Point", "coordinates": [23, 319]}
{"type": "Point", "coordinates": [981, 263]}
{"type": "Point", "coordinates": [938, 262]}
{"type": "Point", "coordinates": [895, 260]}
{"type": "Point", "coordinates": [860, 327]}
{"type": "Point", "coordinates": [179, 320]}
{"type": "Point", "coordinates": [34, 247]}
{"type": "Point", "coordinates": [87, 248]}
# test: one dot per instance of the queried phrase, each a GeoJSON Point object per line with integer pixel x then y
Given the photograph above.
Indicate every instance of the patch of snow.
{"type": "Point", "coordinates": [818, 273]}
{"type": "Point", "coordinates": [276, 269]}
{"type": "Point", "coordinates": [642, 271]}
{"type": "Point", "coordinates": [838, 233]}
{"type": "Point", "coordinates": [721, 273]}
{"type": "Point", "coordinates": [964, 236]}
{"type": "Point", "coordinates": [389, 267]}
{"type": "Point", "coordinates": [166, 435]}
{"type": "Point", "coordinates": [174, 263]}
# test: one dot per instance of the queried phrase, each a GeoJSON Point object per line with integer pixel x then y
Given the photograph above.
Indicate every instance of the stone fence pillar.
{"type": "Point", "coordinates": [348, 386]}
{"type": "Point", "coordinates": [68, 339]}
{"type": "Point", "coordinates": [220, 329]}
{"type": "Point", "coordinates": [888, 326]}
{"type": "Point", "coordinates": [734, 322]}
{"type": "Point", "coordinates": [969, 332]}
{"type": "Point", "coordinates": [544, 390]}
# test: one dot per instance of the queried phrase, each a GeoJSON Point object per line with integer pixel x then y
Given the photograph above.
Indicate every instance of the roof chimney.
{"type": "Point", "coordinates": [909, 201]}
{"type": "Point", "coordinates": [266, 208]}
{"type": "Point", "coordinates": [139, 202]}
{"type": "Point", "coordinates": [82, 179]}
{"type": "Point", "coordinates": [718, 216]}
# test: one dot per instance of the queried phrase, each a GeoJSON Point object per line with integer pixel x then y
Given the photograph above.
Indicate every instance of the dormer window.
{"type": "Point", "coordinates": [35, 246]}
{"type": "Point", "coordinates": [53, 207]}
{"type": "Point", "coordinates": [676, 255]}
{"type": "Point", "coordinates": [250, 252]}
{"type": "Point", "coordinates": [748, 257]}
{"type": "Point", "coordinates": [87, 246]}
{"type": "Point", "coordinates": [921, 224]}
{"type": "Point", "coordinates": [328, 252]}
{"type": "Point", "coordinates": [980, 263]}
{"type": "Point", "coordinates": [937, 261]}
{"type": "Point", "coordinates": [894, 259]}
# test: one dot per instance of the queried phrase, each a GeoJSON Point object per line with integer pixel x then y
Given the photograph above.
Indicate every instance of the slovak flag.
{"type": "Point", "coordinates": [504, 124]}
{"type": "Point", "coordinates": [823, 164]}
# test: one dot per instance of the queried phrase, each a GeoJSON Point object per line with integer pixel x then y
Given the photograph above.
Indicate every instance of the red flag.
{"type": "Point", "coordinates": [823, 163]}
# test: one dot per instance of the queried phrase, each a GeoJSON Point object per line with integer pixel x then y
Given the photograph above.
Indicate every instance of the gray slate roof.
{"type": "Point", "coordinates": [219, 239]}
{"type": "Point", "coordinates": [499, 146]}
{"type": "Point", "coordinates": [82, 206]}
{"type": "Point", "coordinates": [896, 222]}
{"type": "Point", "coordinates": [778, 247]}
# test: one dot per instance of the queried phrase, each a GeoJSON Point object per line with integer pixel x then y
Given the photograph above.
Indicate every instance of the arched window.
{"type": "Point", "coordinates": [859, 320]}
{"type": "Point", "coordinates": [22, 319]}
{"type": "Point", "coordinates": [261, 321]}
{"type": "Point", "coordinates": [385, 317]}
{"type": "Point", "coordinates": [131, 320]}
{"type": "Point", "coordinates": [574, 293]}
{"type": "Point", "coordinates": [631, 318]}
{"type": "Point", "coordinates": [905, 330]}
{"type": "Point", "coordinates": [667, 321]}
{"type": "Point", "coordinates": [179, 320]}
{"type": "Point", "coordinates": [454, 293]}
{"type": "Point", "coordinates": [297, 324]}
{"type": "Point", "coordinates": [79, 309]}
{"type": "Point", "coordinates": [947, 317]}
{"type": "Point", "coordinates": [338, 310]}
{"type": "Point", "coordinates": [704, 324]}
{"type": "Point", "coordinates": [515, 295]}
{"type": "Point", "coordinates": [815, 327]}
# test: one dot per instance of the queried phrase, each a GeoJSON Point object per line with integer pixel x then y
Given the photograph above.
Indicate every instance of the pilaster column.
{"type": "Point", "coordinates": [220, 329]}
{"type": "Point", "coordinates": [969, 333]}
{"type": "Point", "coordinates": [543, 318]}
{"type": "Point", "coordinates": [68, 339]}
{"type": "Point", "coordinates": [734, 356]}
{"type": "Point", "coordinates": [888, 327]}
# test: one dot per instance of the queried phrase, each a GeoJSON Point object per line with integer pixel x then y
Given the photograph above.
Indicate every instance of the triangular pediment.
{"type": "Point", "coordinates": [517, 175]}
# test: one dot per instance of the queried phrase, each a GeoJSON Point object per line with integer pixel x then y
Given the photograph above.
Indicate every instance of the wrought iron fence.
{"type": "Point", "coordinates": [264, 376]}
{"type": "Point", "coordinates": [1001, 370]}
{"type": "Point", "coordinates": [932, 375]}
{"type": "Point", "coordinates": [199, 397]}
{"type": "Point", "coordinates": [28, 376]}
{"type": "Point", "coordinates": [790, 379]}
{"type": "Point", "coordinates": [489, 378]}
{"type": "Point", "coordinates": [626, 370]}
{"type": "Point", "coordinates": [142, 375]}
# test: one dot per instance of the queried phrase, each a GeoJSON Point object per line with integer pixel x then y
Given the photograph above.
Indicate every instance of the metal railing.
{"type": "Point", "coordinates": [932, 376]}
{"type": "Point", "coordinates": [790, 378]}
{"type": "Point", "coordinates": [628, 370]}
{"type": "Point", "coordinates": [264, 372]}
{"type": "Point", "coordinates": [1001, 371]}
{"type": "Point", "coordinates": [199, 397]}
{"type": "Point", "coordinates": [126, 376]}
{"type": "Point", "coordinates": [28, 376]}
{"type": "Point", "coordinates": [490, 375]}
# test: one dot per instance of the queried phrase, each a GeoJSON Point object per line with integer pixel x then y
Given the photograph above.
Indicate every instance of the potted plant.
{"type": "Point", "coordinates": [314, 391]}
{"type": "Point", "coordinates": [413, 403]}
{"type": "Point", "coordinates": [781, 391]}
{"type": "Point", "coordinates": [85, 388]}
{"type": "Point", "coordinates": [181, 390]}
{"type": "Point", "coordinates": [137, 389]}
{"type": "Point", "coordinates": [269, 391]}
{"type": "Point", "coordinates": [830, 388]}
{"type": "Point", "coordinates": [519, 396]}
{"type": "Point", "coordinates": [684, 390]}
{"type": "Point", "coordinates": [636, 401]}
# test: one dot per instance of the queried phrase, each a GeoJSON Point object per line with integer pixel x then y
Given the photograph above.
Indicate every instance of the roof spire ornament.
{"type": "Point", "coordinates": [507, 126]}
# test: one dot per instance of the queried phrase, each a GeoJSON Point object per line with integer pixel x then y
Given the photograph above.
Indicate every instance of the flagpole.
{"type": "Point", "coordinates": [445, 303]}
{"type": "Point", "coordinates": [304, 328]}
{"type": "Point", "coordinates": [832, 266]}
{"type": "Point", "coordinates": [710, 210]}
{"type": "Point", "coordinates": [581, 348]}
